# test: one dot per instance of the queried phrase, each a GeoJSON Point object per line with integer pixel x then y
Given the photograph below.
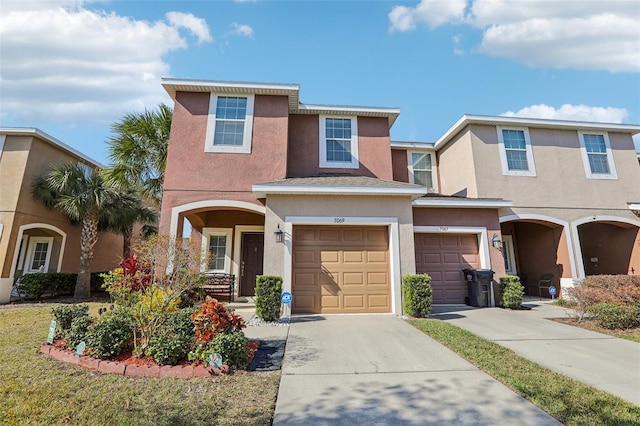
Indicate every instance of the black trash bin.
{"type": "Point", "coordinates": [478, 285]}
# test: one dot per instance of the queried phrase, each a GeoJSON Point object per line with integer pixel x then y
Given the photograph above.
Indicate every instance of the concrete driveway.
{"type": "Point", "coordinates": [605, 362]}
{"type": "Point", "coordinates": [377, 369]}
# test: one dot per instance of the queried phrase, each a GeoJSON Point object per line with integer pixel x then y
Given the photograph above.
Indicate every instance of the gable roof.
{"type": "Point", "coordinates": [466, 120]}
{"type": "Point", "coordinates": [292, 91]}
{"type": "Point", "coordinates": [34, 132]}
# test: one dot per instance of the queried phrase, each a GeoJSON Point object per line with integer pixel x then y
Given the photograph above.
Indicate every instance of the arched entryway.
{"type": "Point", "coordinates": [609, 245]}
{"type": "Point", "coordinates": [39, 248]}
{"type": "Point", "coordinates": [536, 245]}
{"type": "Point", "coordinates": [231, 233]}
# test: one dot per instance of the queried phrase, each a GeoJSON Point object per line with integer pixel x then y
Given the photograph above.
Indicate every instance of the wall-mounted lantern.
{"type": "Point", "coordinates": [496, 242]}
{"type": "Point", "coordinates": [278, 234]}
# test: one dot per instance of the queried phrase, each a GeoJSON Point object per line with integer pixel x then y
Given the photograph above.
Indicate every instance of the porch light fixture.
{"type": "Point", "coordinates": [496, 242]}
{"type": "Point", "coordinates": [278, 234]}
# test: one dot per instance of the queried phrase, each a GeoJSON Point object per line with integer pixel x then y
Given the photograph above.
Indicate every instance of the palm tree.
{"type": "Point", "coordinates": [123, 212]}
{"type": "Point", "coordinates": [138, 150]}
{"type": "Point", "coordinates": [81, 195]}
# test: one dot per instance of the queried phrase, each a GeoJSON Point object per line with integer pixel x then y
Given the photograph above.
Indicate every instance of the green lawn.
{"type": "Point", "coordinates": [568, 400]}
{"type": "Point", "coordinates": [36, 389]}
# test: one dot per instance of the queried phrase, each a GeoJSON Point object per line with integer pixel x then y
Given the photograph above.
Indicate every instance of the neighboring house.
{"type": "Point", "coordinates": [320, 195]}
{"type": "Point", "coordinates": [33, 238]}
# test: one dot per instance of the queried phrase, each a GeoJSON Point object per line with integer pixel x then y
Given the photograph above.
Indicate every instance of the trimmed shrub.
{"type": "Point", "coordinates": [111, 335]}
{"type": "Point", "coordinates": [511, 292]}
{"type": "Point", "coordinates": [417, 294]}
{"type": "Point", "coordinates": [79, 331]}
{"type": "Point", "coordinates": [54, 283]}
{"type": "Point", "coordinates": [65, 314]}
{"type": "Point", "coordinates": [233, 348]}
{"type": "Point", "coordinates": [615, 315]}
{"type": "Point", "coordinates": [173, 343]}
{"type": "Point", "coordinates": [268, 290]}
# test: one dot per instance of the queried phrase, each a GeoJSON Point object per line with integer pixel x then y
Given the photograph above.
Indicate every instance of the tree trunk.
{"type": "Point", "coordinates": [88, 240]}
{"type": "Point", "coordinates": [126, 242]}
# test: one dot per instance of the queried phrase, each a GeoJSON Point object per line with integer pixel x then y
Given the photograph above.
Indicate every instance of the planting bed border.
{"type": "Point", "coordinates": [131, 370]}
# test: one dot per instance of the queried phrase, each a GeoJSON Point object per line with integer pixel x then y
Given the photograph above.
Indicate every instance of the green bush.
{"type": "Point", "coordinates": [79, 331]}
{"type": "Point", "coordinates": [54, 283]}
{"type": "Point", "coordinates": [65, 314]}
{"type": "Point", "coordinates": [173, 343]}
{"type": "Point", "coordinates": [233, 348]}
{"type": "Point", "coordinates": [268, 289]}
{"type": "Point", "coordinates": [417, 294]}
{"type": "Point", "coordinates": [111, 335]}
{"type": "Point", "coordinates": [511, 292]}
{"type": "Point", "coordinates": [615, 315]}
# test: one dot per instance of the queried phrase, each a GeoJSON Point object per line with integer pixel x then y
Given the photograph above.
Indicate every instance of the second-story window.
{"type": "Point", "coordinates": [339, 142]}
{"type": "Point", "coordinates": [597, 156]}
{"type": "Point", "coordinates": [230, 123]}
{"type": "Point", "coordinates": [515, 152]}
{"type": "Point", "coordinates": [421, 169]}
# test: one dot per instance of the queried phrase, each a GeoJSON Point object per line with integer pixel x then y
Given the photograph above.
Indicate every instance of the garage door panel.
{"type": "Point", "coordinates": [304, 302]}
{"type": "Point", "coordinates": [352, 270]}
{"type": "Point", "coordinates": [443, 256]}
{"type": "Point", "coordinates": [304, 234]}
{"type": "Point", "coordinates": [305, 257]}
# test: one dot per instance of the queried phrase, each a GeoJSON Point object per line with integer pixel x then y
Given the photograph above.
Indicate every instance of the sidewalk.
{"type": "Point", "coordinates": [602, 361]}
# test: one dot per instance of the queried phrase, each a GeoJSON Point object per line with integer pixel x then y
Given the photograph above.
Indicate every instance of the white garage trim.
{"type": "Point", "coordinates": [483, 242]}
{"type": "Point", "coordinates": [394, 247]}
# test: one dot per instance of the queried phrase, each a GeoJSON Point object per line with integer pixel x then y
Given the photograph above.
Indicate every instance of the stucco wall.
{"type": "Point", "coordinates": [374, 148]}
{"type": "Point", "coordinates": [399, 164]}
{"type": "Point", "coordinates": [457, 169]}
{"type": "Point", "coordinates": [561, 179]}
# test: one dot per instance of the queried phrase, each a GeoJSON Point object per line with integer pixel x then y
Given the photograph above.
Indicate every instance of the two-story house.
{"type": "Point", "coordinates": [33, 238]}
{"type": "Point", "coordinates": [320, 195]}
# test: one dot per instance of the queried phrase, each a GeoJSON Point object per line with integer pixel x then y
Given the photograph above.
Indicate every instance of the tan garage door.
{"type": "Point", "coordinates": [443, 256]}
{"type": "Point", "coordinates": [340, 269]}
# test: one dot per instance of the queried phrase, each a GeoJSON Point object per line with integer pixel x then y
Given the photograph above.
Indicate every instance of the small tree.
{"type": "Point", "coordinates": [81, 196]}
{"type": "Point", "coordinates": [418, 294]}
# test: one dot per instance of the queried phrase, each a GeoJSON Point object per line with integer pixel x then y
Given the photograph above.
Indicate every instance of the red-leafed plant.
{"type": "Point", "coordinates": [214, 318]}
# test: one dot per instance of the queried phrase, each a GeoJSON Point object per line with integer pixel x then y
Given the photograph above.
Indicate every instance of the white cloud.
{"type": "Point", "coordinates": [597, 35]}
{"type": "Point", "coordinates": [572, 112]}
{"type": "Point", "coordinates": [65, 63]}
{"type": "Point", "coordinates": [241, 29]}
{"type": "Point", "coordinates": [197, 26]}
{"type": "Point", "coordinates": [433, 13]}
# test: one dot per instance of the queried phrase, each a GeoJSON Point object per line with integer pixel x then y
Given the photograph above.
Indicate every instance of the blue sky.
{"type": "Point", "coordinates": [73, 67]}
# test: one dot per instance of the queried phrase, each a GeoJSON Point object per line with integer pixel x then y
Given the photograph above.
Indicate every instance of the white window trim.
{"type": "Point", "coordinates": [503, 154]}
{"type": "Point", "coordinates": [510, 254]}
{"type": "Point", "coordinates": [355, 161]}
{"type": "Point", "coordinates": [245, 148]}
{"type": "Point", "coordinates": [585, 157]}
{"type": "Point", "coordinates": [208, 232]}
{"type": "Point", "coordinates": [31, 251]}
{"type": "Point", "coordinates": [434, 175]}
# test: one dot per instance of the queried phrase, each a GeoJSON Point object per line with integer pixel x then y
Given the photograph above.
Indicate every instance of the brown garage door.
{"type": "Point", "coordinates": [443, 256]}
{"type": "Point", "coordinates": [340, 269]}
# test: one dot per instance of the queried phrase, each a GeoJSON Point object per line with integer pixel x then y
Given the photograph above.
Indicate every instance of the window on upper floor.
{"type": "Point", "coordinates": [421, 169]}
{"type": "Point", "coordinates": [230, 123]}
{"type": "Point", "coordinates": [516, 154]}
{"type": "Point", "coordinates": [597, 156]}
{"type": "Point", "coordinates": [339, 142]}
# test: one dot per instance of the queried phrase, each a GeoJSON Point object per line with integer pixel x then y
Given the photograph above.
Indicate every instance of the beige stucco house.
{"type": "Point", "coordinates": [320, 195]}
{"type": "Point", "coordinates": [33, 238]}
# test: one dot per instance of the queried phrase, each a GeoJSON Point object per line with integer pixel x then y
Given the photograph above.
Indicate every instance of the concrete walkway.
{"type": "Point", "coordinates": [378, 370]}
{"type": "Point", "coordinates": [605, 362]}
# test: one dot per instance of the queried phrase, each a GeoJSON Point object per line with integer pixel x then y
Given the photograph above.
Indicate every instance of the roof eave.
{"type": "Point", "coordinates": [462, 203]}
{"type": "Point", "coordinates": [32, 131]}
{"type": "Point", "coordinates": [261, 191]}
